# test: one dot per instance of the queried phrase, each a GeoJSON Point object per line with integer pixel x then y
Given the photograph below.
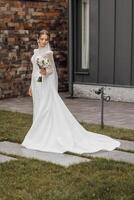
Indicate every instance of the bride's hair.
{"type": "Point", "coordinates": [42, 32]}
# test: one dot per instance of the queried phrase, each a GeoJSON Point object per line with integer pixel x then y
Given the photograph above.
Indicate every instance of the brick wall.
{"type": "Point", "coordinates": [20, 20]}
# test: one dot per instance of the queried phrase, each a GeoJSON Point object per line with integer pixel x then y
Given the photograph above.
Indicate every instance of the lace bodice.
{"type": "Point", "coordinates": [36, 70]}
{"type": "Point", "coordinates": [51, 76]}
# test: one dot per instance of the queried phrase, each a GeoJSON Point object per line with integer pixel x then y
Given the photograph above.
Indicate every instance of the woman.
{"type": "Point", "coordinates": [54, 128]}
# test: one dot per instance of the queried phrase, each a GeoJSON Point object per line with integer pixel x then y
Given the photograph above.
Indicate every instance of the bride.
{"type": "Point", "coordinates": [54, 128]}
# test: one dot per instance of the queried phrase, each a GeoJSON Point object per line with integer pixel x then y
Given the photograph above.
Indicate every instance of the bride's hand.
{"type": "Point", "coordinates": [43, 71]}
{"type": "Point", "coordinates": [30, 91]}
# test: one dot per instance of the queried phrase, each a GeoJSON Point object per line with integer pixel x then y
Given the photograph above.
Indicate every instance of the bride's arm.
{"type": "Point", "coordinates": [30, 87]}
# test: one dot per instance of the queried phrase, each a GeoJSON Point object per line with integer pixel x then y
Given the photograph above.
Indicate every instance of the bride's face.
{"type": "Point", "coordinates": [43, 40]}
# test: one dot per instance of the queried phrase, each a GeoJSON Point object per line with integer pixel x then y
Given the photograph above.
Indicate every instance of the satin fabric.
{"type": "Point", "coordinates": [54, 128]}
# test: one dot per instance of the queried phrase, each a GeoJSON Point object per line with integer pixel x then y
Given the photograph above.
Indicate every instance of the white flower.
{"type": "Point", "coordinates": [43, 62]}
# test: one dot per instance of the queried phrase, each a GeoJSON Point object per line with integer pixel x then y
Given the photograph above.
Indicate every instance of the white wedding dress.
{"type": "Point", "coordinates": [54, 128]}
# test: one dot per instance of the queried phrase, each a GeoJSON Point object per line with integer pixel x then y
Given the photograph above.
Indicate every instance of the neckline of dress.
{"type": "Point", "coordinates": [40, 48]}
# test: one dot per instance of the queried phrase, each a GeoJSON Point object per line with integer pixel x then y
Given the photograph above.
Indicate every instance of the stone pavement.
{"type": "Point", "coordinates": [117, 114]}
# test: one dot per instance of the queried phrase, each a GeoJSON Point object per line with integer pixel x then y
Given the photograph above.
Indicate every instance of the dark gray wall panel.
{"type": "Point", "coordinates": [132, 70]}
{"type": "Point", "coordinates": [106, 51]}
{"type": "Point", "coordinates": [93, 68]}
{"type": "Point", "coordinates": [76, 38]}
{"type": "Point", "coordinates": [111, 43]}
{"type": "Point", "coordinates": [123, 42]}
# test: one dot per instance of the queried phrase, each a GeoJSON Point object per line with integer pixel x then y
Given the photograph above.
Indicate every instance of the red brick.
{"type": "Point", "coordinates": [19, 24]}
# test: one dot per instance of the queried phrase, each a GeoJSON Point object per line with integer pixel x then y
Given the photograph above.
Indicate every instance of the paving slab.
{"type": "Point", "coordinates": [114, 155]}
{"type": "Point", "coordinates": [126, 145]}
{"type": "Point", "coordinates": [56, 158]}
{"type": "Point", "coordinates": [4, 158]}
{"type": "Point", "coordinates": [63, 159]}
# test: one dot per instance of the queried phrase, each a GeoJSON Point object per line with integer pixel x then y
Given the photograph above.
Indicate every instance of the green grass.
{"type": "Point", "coordinates": [100, 179]}
{"type": "Point", "coordinates": [14, 126]}
{"type": "Point", "coordinates": [119, 133]}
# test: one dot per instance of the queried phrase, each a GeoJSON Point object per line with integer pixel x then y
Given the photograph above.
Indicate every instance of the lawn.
{"type": "Point", "coordinates": [30, 179]}
{"type": "Point", "coordinates": [99, 179]}
{"type": "Point", "coordinates": [14, 126]}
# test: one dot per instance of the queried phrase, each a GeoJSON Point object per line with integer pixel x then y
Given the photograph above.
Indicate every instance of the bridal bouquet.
{"type": "Point", "coordinates": [42, 62]}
